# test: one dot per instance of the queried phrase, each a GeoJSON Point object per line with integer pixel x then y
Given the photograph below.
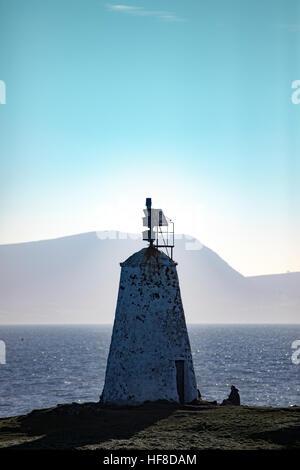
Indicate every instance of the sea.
{"type": "Point", "coordinates": [50, 364]}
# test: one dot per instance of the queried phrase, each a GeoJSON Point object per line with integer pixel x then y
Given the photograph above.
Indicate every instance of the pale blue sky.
{"type": "Point", "coordinates": [185, 101]}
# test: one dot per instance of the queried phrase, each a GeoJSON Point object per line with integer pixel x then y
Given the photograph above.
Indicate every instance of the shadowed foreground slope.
{"type": "Point", "coordinates": [152, 426]}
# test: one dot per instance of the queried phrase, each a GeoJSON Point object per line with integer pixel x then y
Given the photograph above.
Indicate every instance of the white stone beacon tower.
{"type": "Point", "coordinates": [150, 356]}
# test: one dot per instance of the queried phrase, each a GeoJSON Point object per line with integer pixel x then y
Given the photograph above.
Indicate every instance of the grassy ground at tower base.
{"type": "Point", "coordinates": [164, 426]}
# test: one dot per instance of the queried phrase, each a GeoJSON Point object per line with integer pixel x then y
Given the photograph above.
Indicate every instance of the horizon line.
{"type": "Point", "coordinates": [191, 324]}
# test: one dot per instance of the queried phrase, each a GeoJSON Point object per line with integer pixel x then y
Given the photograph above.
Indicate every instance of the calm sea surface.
{"type": "Point", "coordinates": [46, 365]}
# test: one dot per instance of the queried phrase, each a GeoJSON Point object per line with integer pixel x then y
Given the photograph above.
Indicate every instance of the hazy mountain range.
{"type": "Point", "coordinates": [75, 280]}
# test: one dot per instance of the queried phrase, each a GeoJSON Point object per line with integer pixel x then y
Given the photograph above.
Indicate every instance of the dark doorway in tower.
{"type": "Point", "coordinates": [180, 380]}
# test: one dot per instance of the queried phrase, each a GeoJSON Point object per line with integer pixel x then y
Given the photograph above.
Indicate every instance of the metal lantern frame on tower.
{"type": "Point", "coordinates": [158, 233]}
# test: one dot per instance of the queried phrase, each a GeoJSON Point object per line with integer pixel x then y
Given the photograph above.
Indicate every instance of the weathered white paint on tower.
{"type": "Point", "coordinates": [150, 356]}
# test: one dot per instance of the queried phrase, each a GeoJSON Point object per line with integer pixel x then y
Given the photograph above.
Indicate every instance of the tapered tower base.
{"type": "Point", "coordinates": [150, 356]}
